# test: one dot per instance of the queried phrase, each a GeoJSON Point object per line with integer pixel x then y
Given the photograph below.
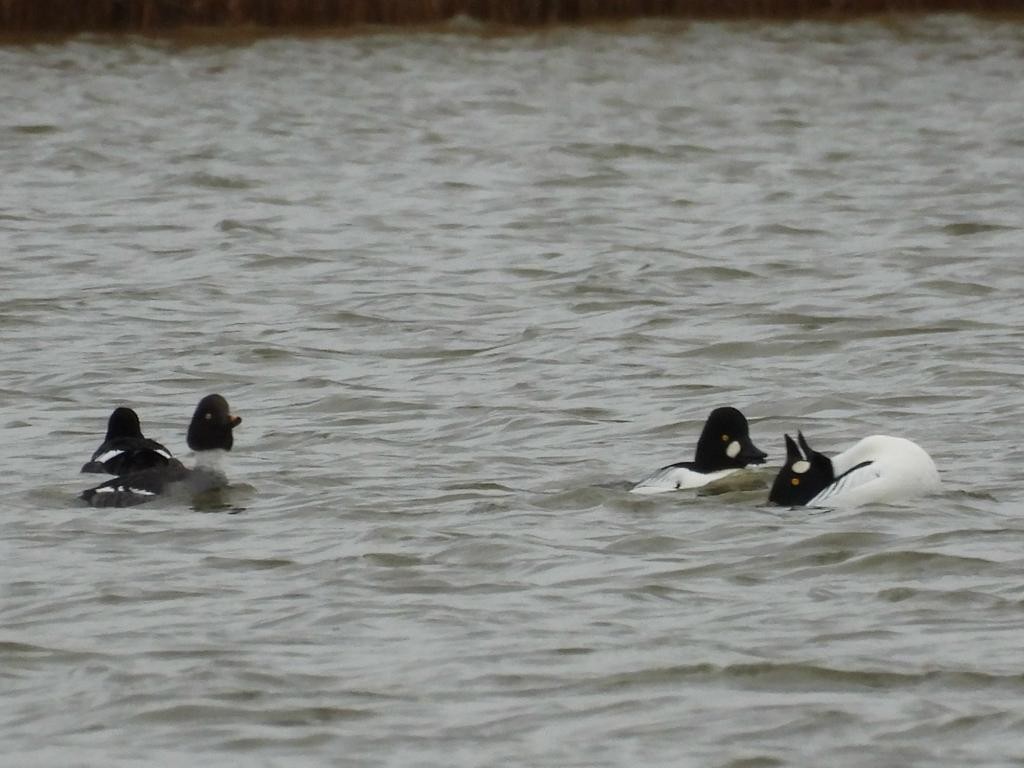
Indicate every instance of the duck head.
{"type": "Point", "coordinates": [725, 442]}
{"type": "Point", "coordinates": [803, 476]}
{"type": "Point", "coordinates": [123, 422]}
{"type": "Point", "coordinates": [211, 425]}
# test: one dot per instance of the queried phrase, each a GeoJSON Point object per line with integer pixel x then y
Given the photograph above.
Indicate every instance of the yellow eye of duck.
{"type": "Point", "coordinates": [725, 438]}
{"type": "Point", "coordinates": [795, 481]}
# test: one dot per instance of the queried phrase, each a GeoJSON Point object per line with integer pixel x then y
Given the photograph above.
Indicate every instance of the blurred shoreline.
{"type": "Point", "coordinates": [61, 17]}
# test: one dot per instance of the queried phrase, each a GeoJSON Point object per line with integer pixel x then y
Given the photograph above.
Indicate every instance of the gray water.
{"type": "Point", "coordinates": [463, 288]}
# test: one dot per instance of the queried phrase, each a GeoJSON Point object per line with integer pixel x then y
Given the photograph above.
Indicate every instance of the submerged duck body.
{"type": "Point", "coordinates": [877, 469]}
{"type": "Point", "coordinates": [125, 449]}
{"type": "Point", "coordinates": [724, 447]}
{"type": "Point", "coordinates": [209, 435]}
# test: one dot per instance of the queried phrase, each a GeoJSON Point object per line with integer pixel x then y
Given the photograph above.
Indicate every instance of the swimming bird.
{"type": "Point", "coordinates": [125, 449]}
{"type": "Point", "coordinates": [724, 447]}
{"type": "Point", "coordinates": [209, 435]}
{"type": "Point", "coordinates": [879, 468]}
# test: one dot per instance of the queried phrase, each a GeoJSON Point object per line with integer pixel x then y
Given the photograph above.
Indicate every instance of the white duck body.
{"type": "Point", "coordinates": [879, 468]}
{"type": "Point", "coordinates": [678, 477]}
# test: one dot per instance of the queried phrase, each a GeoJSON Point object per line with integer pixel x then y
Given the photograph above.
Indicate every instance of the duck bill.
{"type": "Point", "coordinates": [751, 454]}
{"type": "Point", "coordinates": [234, 421]}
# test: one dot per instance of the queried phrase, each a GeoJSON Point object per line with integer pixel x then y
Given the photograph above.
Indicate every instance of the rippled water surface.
{"type": "Point", "coordinates": [463, 288]}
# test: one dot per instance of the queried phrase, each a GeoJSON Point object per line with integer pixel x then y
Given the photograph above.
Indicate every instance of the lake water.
{"type": "Point", "coordinates": [464, 288]}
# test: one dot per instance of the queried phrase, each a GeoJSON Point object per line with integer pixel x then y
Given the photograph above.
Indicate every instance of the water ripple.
{"type": "Point", "coordinates": [464, 289]}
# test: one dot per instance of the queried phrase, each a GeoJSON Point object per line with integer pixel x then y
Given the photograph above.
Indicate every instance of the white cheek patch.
{"type": "Point", "coordinates": [801, 466]}
{"type": "Point", "coordinates": [107, 456]}
{"type": "Point", "coordinates": [733, 450]}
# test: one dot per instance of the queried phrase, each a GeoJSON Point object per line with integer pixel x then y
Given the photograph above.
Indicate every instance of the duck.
{"type": "Point", "coordinates": [877, 469]}
{"type": "Point", "coordinates": [724, 447]}
{"type": "Point", "coordinates": [125, 449]}
{"type": "Point", "coordinates": [210, 436]}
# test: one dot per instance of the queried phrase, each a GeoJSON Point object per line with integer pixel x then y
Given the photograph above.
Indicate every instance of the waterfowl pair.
{"type": "Point", "coordinates": [879, 468]}
{"type": "Point", "coordinates": [151, 470]}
